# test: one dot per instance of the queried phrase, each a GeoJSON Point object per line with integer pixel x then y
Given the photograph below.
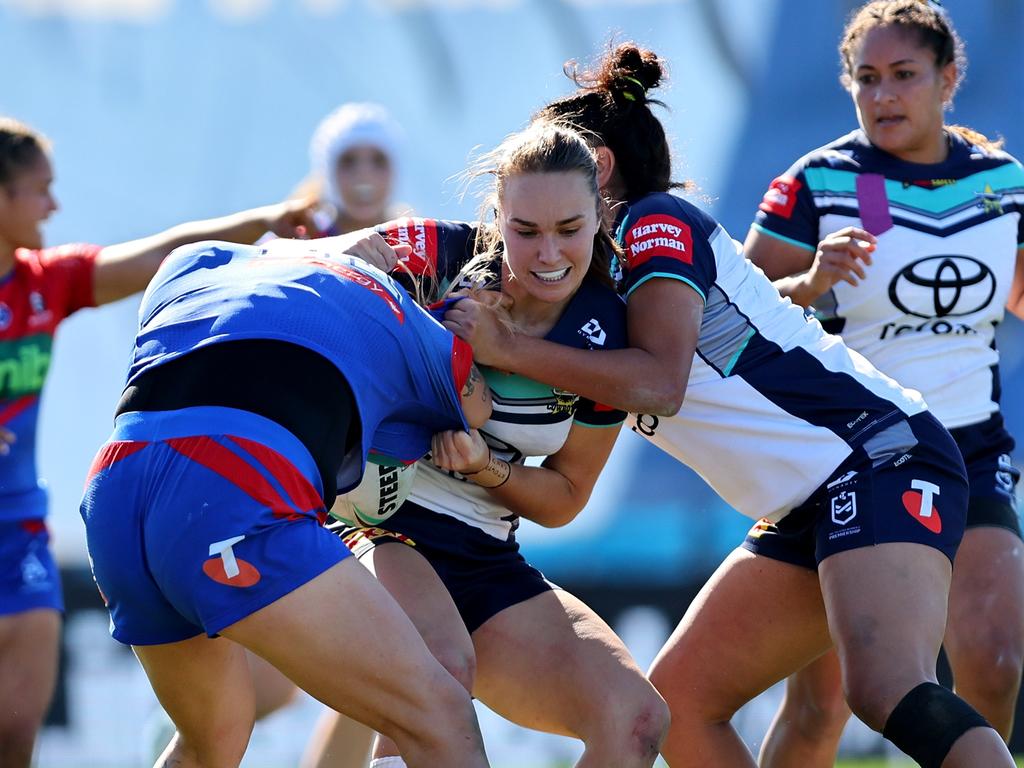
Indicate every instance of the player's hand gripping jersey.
{"type": "Point", "coordinates": [528, 418]}
{"type": "Point", "coordinates": [927, 310]}
{"type": "Point", "coordinates": [773, 404]}
{"type": "Point", "coordinates": [42, 289]}
{"type": "Point", "coordinates": [405, 369]}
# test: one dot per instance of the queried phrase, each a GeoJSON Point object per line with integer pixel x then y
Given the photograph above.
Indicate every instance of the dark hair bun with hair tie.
{"type": "Point", "coordinates": [629, 72]}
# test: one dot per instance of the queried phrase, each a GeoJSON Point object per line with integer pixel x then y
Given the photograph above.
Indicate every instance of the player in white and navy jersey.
{"type": "Point", "coordinates": [527, 649]}
{"type": "Point", "coordinates": [904, 236]}
{"type": "Point", "coordinates": [785, 422]}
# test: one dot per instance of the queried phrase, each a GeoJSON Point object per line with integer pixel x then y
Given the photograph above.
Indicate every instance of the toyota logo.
{"type": "Point", "coordinates": [942, 286]}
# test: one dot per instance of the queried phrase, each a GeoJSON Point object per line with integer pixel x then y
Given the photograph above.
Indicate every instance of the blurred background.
{"type": "Point", "coordinates": [162, 111]}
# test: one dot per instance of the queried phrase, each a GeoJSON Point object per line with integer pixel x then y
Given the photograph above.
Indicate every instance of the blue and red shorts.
{"type": "Point", "coordinates": [29, 577]}
{"type": "Point", "coordinates": [198, 517]}
{"type": "Point", "coordinates": [906, 484]}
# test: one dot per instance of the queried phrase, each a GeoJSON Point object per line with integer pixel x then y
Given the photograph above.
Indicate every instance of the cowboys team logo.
{"type": "Point", "coordinates": [942, 286]}
{"type": "Point", "coordinates": [565, 402]}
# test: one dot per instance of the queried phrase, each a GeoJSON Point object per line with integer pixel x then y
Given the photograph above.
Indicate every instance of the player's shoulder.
{"type": "Point", "coordinates": [57, 253]}
{"type": "Point", "coordinates": [845, 153]}
{"type": "Point", "coordinates": [977, 157]}
{"type": "Point", "coordinates": [658, 211]}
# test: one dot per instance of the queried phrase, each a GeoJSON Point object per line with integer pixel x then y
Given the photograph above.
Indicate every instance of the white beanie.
{"type": "Point", "coordinates": [350, 125]}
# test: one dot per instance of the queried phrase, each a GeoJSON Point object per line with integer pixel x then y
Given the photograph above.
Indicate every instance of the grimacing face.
{"type": "Point", "coordinates": [900, 94]}
{"type": "Point", "coordinates": [364, 178]}
{"type": "Point", "coordinates": [26, 201]}
{"type": "Point", "coordinates": [548, 222]}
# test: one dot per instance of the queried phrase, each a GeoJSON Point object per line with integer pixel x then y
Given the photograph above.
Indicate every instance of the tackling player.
{"type": "Point", "coordinates": [39, 287]}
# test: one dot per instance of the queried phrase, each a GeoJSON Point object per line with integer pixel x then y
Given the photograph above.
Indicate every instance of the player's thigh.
{"type": "Point", "coordinates": [271, 688]}
{"type": "Point", "coordinates": [204, 685]}
{"type": "Point", "coordinates": [342, 638]}
{"type": "Point", "coordinates": [986, 596]}
{"type": "Point", "coordinates": [887, 612]}
{"type": "Point", "coordinates": [550, 663]}
{"type": "Point", "coordinates": [414, 584]}
{"type": "Point", "coordinates": [754, 622]}
{"type": "Point", "coordinates": [29, 643]}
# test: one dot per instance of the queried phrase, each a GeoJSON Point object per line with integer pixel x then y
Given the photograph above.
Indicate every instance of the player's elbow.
{"type": "Point", "coordinates": [665, 399]}
{"type": "Point", "coordinates": [562, 512]}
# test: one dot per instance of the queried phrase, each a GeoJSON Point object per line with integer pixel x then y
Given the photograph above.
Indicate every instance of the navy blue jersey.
{"type": "Point", "coordinates": [529, 418]}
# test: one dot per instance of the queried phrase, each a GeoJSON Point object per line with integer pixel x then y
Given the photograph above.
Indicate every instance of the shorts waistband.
{"type": "Point", "coordinates": [152, 426]}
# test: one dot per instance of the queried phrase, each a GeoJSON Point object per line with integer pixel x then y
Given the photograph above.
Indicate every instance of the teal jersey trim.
{"type": "Point", "coordinates": [670, 276]}
{"type": "Point", "coordinates": [783, 238]}
{"type": "Point", "coordinates": [736, 355]}
{"type": "Point", "coordinates": [1006, 179]}
{"type": "Point", "coordinates": [577, 422]}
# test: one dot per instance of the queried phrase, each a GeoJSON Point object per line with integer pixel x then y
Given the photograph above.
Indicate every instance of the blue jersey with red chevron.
{"type": "Point", "coordinates": [405, 369]}
{"type": "Point", "coordinates": [42, 288]}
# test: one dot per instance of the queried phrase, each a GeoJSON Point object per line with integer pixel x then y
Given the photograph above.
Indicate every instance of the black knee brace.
{"type": "Point", "coordinates": [928, 721]}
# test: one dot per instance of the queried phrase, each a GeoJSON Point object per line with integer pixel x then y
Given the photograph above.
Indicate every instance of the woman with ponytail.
{"type": "Point", "coordinates": [906, 236]}
{"type": "Point", "coordinates": [529, 650]}
{"type": "Point", "coordinates": [786, 424]}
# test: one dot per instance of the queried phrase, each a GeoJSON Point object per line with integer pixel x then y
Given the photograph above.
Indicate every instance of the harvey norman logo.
{"type": "Point", "coordinates": [658, 235]}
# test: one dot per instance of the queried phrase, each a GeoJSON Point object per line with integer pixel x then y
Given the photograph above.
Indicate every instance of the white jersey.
{"type": "Point", "coordinates": [529, 419]}
{"type": "Point", "coordinates": [773, 404]}
{"type": "Point", "coordinates": [948, 235]}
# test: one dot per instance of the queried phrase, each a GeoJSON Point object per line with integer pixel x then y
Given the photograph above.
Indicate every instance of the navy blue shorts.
{"type": "Point", "coordinates": [986, 449]}
{"type": "Point", "coordinates": [198, 517]}
{"type": "Point", "coordinates": [483, 574]}
{"type": "Point", "coordinates": [905, 484]}
{"type": "Point", "coordinates": [29, 577]}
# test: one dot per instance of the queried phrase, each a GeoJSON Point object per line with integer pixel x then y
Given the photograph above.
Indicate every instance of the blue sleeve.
{"type": "Point", "coordinates": [665, 236]}
{"type": "Point", "coordinates": [787, 210]}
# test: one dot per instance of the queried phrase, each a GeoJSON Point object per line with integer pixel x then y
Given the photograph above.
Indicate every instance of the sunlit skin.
{"type": "Point", "coordinates": [548, 222]}
{"type": "Point", "coordinates": [900, 93]}
{"type": "Point", "coordinates": [364, 177]}
{"type": "Point", "coordinates": [26, 201]}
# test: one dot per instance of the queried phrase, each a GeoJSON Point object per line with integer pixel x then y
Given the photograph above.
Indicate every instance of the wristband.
{"type": "Point", "coordinates": [494, 475]}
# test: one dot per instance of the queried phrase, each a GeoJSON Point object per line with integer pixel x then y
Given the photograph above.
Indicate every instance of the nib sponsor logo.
{"type": "Point", "coordinates": [918, 504]}
{"type": "Point", "coordinates": [224, 568]}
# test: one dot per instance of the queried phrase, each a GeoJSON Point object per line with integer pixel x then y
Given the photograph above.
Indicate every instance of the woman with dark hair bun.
{"type": "Point", "coordinates": [786, 424]}
{"type": "Point", "coordinates": [907, 236]}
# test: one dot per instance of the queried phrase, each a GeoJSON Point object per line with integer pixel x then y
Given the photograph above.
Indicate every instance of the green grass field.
{"type": "Point", "coordinates": [881, 762]}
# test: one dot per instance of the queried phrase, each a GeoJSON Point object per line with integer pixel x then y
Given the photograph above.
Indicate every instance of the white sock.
{"type": "Point", "coordinates": [387, 762]}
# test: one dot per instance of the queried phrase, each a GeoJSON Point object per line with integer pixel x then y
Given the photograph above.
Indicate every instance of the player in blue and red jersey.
{"type": "Point", "coordinates": [39, 287]}
{"type": "Point", "coordinates": [261, 380]}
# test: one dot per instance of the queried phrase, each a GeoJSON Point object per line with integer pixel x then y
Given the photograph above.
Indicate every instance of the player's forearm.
{"type": "Point", "coordinates": [797, 290]}
{"type": "Point", "coordinates": [629, 379]}
{"type": "Point", "coordinates": [542, 495]}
